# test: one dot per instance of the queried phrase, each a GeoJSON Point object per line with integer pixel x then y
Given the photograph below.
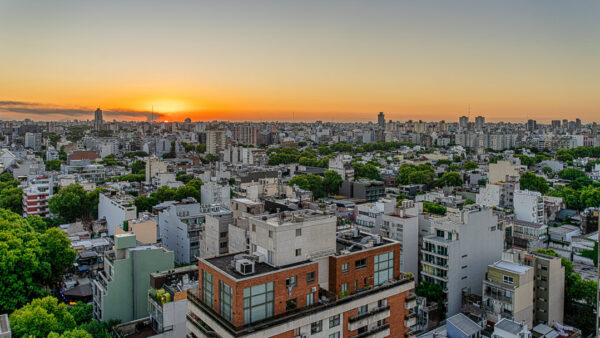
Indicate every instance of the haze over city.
{"type": "Point", "coordinates": [299, 61]}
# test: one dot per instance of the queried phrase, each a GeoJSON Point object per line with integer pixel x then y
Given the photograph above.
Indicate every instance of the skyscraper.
{"type": "Point", "coordinates": [98, 120]}
{"type": "Point", "coordinates": [381, 120]}
{"type": "Point", "coordinates": [479, 122]}
{"type": "Point", "coordinates": [463, 122]}
{"type": "Point", "coordinates": [531, 125]}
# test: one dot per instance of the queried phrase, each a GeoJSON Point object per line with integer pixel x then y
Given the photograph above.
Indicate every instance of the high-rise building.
{"type": "Point", "coordinates": [531, 125]}
{"type": "Point", "coordinates": [301, 279]}
{"type": "Point", "coordinates": [98, 120]}
{"type": "Point", "coordinates": [381, 120]}
{"type": "Point", "coordinates": [215, 141]}
{"type": "Point", "coordinates": [529, 206]}
{"type": "Point", "coordinates": [555, 125]}
{"type": "Point", "coordinates": [456, 254]}
{"type": "Point", "coordinates": [36, 196]}
{"type": "Point", "coordinates": [463, 122]}
{"type": "Point", "coordinates": [479, 122]}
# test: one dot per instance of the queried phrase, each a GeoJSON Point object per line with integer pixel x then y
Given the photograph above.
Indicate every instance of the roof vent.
{"type": "Point", "coordinates": [244, 266]}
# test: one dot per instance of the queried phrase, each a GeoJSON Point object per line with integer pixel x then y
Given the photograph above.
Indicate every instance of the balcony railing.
{"type": "Point", "coordinates": [373, 331]}
{"type": "Point", "coordinates": [201, 327]}
{"type": "Point", "coordinates": [369, 313]}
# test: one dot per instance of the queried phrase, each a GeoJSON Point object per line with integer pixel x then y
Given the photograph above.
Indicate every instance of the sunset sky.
{"type": "Point", "coordinates": [306, 60]}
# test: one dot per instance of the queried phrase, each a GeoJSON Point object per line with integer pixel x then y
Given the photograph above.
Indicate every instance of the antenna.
{"type": "Point", "coordinates": [469, 111]}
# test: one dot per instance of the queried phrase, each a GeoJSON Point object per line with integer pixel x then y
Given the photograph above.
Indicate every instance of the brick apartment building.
{"type": "Point", "coordinates": [300, 279]}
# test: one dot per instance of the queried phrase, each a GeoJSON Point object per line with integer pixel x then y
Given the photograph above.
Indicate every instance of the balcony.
{"type": "Point", "coordinates": [410, 320]}
{"type": "Point", "coordinates": [198, 328]}
{"type": "Point", "coordinates": [370, 317]}
{"type": "Point", "coordinates": [379, 331]}
{"type": "Point", "coordinates": [410, 302]}
{"type": "Point", "coordinates": [498, 297]}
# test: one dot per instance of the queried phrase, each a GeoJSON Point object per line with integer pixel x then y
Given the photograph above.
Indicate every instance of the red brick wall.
{"type": "Point", "coordinates": [337, 278]}
{"type": "Point", "coordinates": [280, 291]}
{"type": "Point", "coordinates": [397, 314]}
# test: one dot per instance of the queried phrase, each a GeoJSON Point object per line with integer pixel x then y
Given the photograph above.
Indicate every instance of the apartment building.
{"type": "Point", "coordinates": [402, 225]}
{"type": "Point", "coordinates": [526, 235]}
{"type": "Point", "coordinates": [502, 171]}
{"type": "Point", "coordinates": [182, 227]}
{"type": "Point", "coordinates": [36, 194]}
{"type": "Point", "coordinates": [529, 206]}
{"type": "Point", "coordinates": [368, 216]}
{"type": "Point", "coordinates": [342, 164]}
{"type": "Point", "coordinates": [301, 279]}
{"type": "Point", "coordinates": [549, 284]}
{"type": "Point", "coordinates": [367, 190]}
{"type": "Point", "coordinates": [154, 167]}
{"type": "Point", "coordinates": [508, 292]}
{"type": "Point", "coordinates": [120, 291]}
{"type": "Point", "coordinates": [457, 252]}
{"type": "Point", "coordinates": [215, 141]}
{"type": "Point", "coordinates": [116, 209]}
{"type": "Point", "coordinates": [499, 194]}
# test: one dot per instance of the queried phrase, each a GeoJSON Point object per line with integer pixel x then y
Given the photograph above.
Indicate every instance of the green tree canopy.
{"type": "Point", "coordinates": [41, 317]}
{"type": "Point", "coordinates": [53, 165]}
{"type": "Point", "coordinates": [470, 165]}
{"type": "Point", "coordinates": [416, 174]}
{"type": "Point", "coordinates": [71, 203]}
{"type": "Point", "coordinates": [11, 196]}
{"type": "Point", "coordinates": [530, 181]}
{"type": "Point", "coordinates": [332, 181]}
{"type": "Point", "coordinates": [367, 170]}
{"type": "Point", "coordinates": [450, 179]}
{"type": "Point", "coordinates": [138, 166]}
{"type": "Point", "coordinates": [311, 182]}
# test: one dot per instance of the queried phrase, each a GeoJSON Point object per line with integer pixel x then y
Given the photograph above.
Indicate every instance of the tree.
{"type": "Point", "coordinates": [571, 174]}
{"type": "Point", "coordinates": [450, 179]}
{"type": "Point", "coordinates": [368, 171]}
{"type": "Point", "coordinates": [75, 333]}
{"type": "Point", "coordinates": [96, 329]}
{"type": "Point", "coordinates": [11, 196]}
{"type": "Point", "coordinates": [530, 181]}
{"type": "Point", "coordinates": [311, 182]}
{"type": "Point", "coordinates": [144, 203]}
{"type": "Point", "coordinates": [433, 293]}
{"type": "Point", "coordinates": [41, 317]}
{"type": "Point", "coordinates": [470, 165]}
{"type": "Point", "coordinates": [415, 174]}
{"type": "Point", "coordinates": [183, 177]}
{"type": "Point", "coordinates": [82, 312]}
{"type": "Point", "coordinates": [138, 166]}
{"type": "Point", "coordinates": [53, 165]}
{"type": "Point", "coordinates": [196, 183]}
{"type": "Point", "coordinates": [434, 208]}
{"type": "Point", "coordinates": [30, 261]}
{"type": "Point", "coordinates": [469, 202]}
{"type": "Point", "coordinates": [331, 181]}
{"type": "Point", "coordinates": [186, 191]}
{"type": "Point", "coordinates": [71, 203]}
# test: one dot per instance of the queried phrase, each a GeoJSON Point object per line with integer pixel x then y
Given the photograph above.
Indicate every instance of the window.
{"type": "Point", "coordinates": [310, 277]}
{"type": "Point", "coordinates": [225, 301]}
{"type": "Point", "coordinates": [363, 329]}
{"type": "Point", "coordinates": [316, 327]}
{"type": "Point", "coordinates": [361, 263]}
{"type": "Point", "coordinates": [291, 304]}
{"type": "Point", "coordinates": [298, 252]}
{"type": "Point", "coordinates": [334, 321]}
{"type": "Point", "coordinates": [345, 268]}
{"type": "Point", "coordinates": [508, 279]}
{"type": "Point", "coordinates": [223, 234]}
{"type": "Point", "coordinates": [207, 288]}
{"type": "Point", "coordinates": [440, 233]}
{"type": "Point", "coordinates": [253, 227]}
{"type": "Point", "coordinates": [344, 287]}
{"type": "Point", "coordinates": [355, 284]}
{"type": "Point", "coordinates": [270, 234]}
{"type": "Point", "coordinates": [363, 309]}
{"type": "Point", "coordinates": [298, 232]}
{"type": "Point", "coordinates": [384, 268]}
{"type": "Point", "coordinates": [382, 302]}
{"type": "Point", "coordinates": [310, 299]}
{"type": "Point", "coordinates": [223, 245]}
{"type": "Point", "coordinates": [334, 335]}
{"type": "Point", "coordinates": [258, 302]}
{"type": "Point", "coordinates": [291, 281]}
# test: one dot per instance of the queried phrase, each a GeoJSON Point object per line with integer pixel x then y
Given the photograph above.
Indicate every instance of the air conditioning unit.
{"type": "Point", "coordinates": [313, 289]}
{"type": "Point", "coordinates": [244, 266]}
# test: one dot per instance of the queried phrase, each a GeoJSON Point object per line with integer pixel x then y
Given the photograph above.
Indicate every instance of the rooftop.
{"type": "Point", "coordinates": [353, 240]}
{"type": "Point", "coordinates": [463, 323]}
{"type": "Point", "coordinates": [509, 326]}
{"type": "Point", "coordinates": [225, 264]}
{"type": "Point", "coordinates": [511, 267]}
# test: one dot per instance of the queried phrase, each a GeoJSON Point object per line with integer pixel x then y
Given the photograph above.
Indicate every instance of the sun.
{"type": "Point", "coordinates": [169, 106]}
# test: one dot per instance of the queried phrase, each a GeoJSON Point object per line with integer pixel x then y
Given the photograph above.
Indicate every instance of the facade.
{"type": "Point", "coordinates": [508, 292]}
{"type": "Point", "coordinates": [458, 251]}
{"type": "Point", "coordinates": [402, 225]}
{"type": "Point", "coordinates": [502, 170]}
{"type": "Point", "coordinates": [549, 285]}
{"type": "Point", "coordinates": [338, 286]}
{"type": "Point", "coordinates": [499, 194]}
{"type": "Point", "coordinates": [369, 215]}
{"type": "Point", "coordinates": [529, 206]}
{"type": "Point", "coordinates": [342, 164]}
{"type": "Point", "coordinates": [98, 122]}
{"type": "Point", "coordinates": [214, 193]}
{"type": "Point", "coordinates": [182, 227]}
{"type": "Point", "coordinates": [36, 196]}
{"type": "Point", "coordinates": [526, 235]}
{"type": "Point", "coordinates": [215, 141]}
{"type": "Point", "coordinates": [154, 166]}
{"type": "Point", "coordinates": [116, 210]}
{"type": "Point", "coordinates": [370, 191]}
{"type": "Point", "coordinates": [120, 291]}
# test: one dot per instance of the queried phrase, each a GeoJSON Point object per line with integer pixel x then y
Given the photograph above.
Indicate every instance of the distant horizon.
{"type": "Point", "coordinates": [313, 60]}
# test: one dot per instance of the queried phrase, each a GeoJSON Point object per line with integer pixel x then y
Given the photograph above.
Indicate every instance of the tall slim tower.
{"type": "Point", "coordinates": [98, 120]}
{"type": "Point", "coordinates": [381, 120]}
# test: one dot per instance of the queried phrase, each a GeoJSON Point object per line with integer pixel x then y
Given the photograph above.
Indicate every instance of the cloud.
{"type": "Point", "coordinates": [21, 108]}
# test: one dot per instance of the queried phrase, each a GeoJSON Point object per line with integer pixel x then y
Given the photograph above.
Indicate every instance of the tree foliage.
{"type": "Point", "coordinates": [73, 202]}
{"type": "Point", "coordinates": [332, 181]}
{"type": "Point", "coordinates": [530, 181]}
{"type": "Point", "coordinates": [416, 174]}
{"type": "Point", "coordinates": [41, 317]}
{"type": "Point", "coordinates": [470, 165]}
{"type": "Point", "coordinates": [311, 182]}
{"type": "Point", "coordinates": [434, 293]}
{"type": "Point", "coordinates": [367, 170]}
{"type": "Point", "coordinates": [434, 208]}
{"type": "Point", "coordinates": [11, 195]}
{"type": "Point", "coordinates": [450, 179]}
{"type": "Point", "coordinates": [53, 165]}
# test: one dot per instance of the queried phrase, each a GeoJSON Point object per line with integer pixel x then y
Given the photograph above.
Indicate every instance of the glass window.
{"type": "Point", "coordinates": [344, 287]}
{"type": "Point", "coordinates": [334, 321]}
{"type": "Point", "coordinates": [363, 309]}
{"type": "Point", "coordinates": [258, 302]}
{"type": "Point", "coordinates": [361, 263]}
{"type": "Point", "coordinates": [384, 268]}
{"type": "Point", "coordinates": [225, 301]}
{"type": "Point", "coordinates": [291, 281]}
{"type": "Point", "coordinates": [207, 288]}
{"type": "Point", "coordinates": [334, 335]}
{"type": "Point", "coordinates": [316, 327]}
{"type": "Point", "coordinates": [298, 232]}
{"type": "Point", "coordinates": [298, 252]}
{"type": "Point", "coordinates": [291, 304]}
{"type": "Point", "coordinates": [310, 299]}
{"type": "Point", "coordinates": [310, 277]}
{"type": "Point", "coordinates": [508, 279]}
{"type": "Point", "coordinates": [345, 267]}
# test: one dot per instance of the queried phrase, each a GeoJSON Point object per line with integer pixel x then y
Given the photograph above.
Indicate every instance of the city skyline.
{"type": "Point", "coordinates": [299, 62]}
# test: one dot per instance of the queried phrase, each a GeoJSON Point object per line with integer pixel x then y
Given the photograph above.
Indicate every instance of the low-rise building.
{"type": "Point", "coordinates": [36, 194]}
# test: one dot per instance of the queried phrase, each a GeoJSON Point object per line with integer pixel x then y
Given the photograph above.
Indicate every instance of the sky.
{"type": "Point", "coordinates": [509, 60]}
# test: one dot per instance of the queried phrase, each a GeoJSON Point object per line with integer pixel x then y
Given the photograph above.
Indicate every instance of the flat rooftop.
{"type": "Point", "coordinates": [353, 240]}
{"type": "Point", "coordinates": [223, 263]}
{"type": "Point", "coordinates": [293, 217]}
{"type": "Point", "coordinates": [509, 326]}
{"type": "Point", "coordinates": [511, 267]}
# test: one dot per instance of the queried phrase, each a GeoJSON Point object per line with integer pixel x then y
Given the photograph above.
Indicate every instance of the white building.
{"type": "Point", "coordinates": [214, 193]}
{"type": "Point", "coordinates": [502, 169]}
{"type": "Point", "coordinates": [529, 206]}
{"type": "Point", "coordinates": [116, 210]}
{"type": "Point", "coordinates": [154, 166]}
{"type": "Point", "coordinates": [403, 226]}
{"type": "Point", "coordinates": [342, 164]}
{"type": "Point", "coordinates": [369, 215]}
{"type": "Point", "coordinates": [215, 141]}
{"type": "Point", "coordinates": [456, 255]}
{"type": "Point", "coordinates": [36, 195]}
